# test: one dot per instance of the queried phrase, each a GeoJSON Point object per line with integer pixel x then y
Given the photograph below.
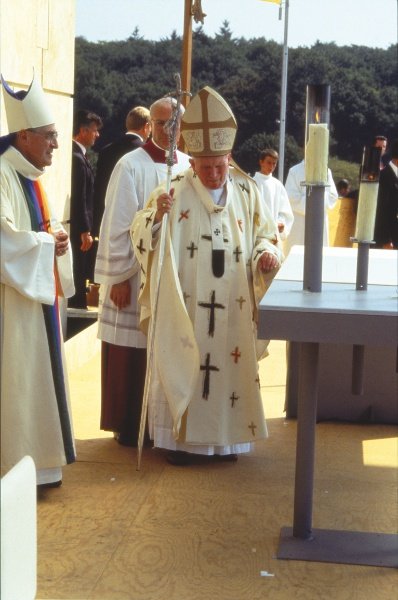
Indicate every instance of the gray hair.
{"type": "Point", "coordinates": [166, 101]}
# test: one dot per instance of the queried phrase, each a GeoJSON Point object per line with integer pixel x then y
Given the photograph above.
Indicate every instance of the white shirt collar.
{"type": "Point", "coordinates": [394, 168]}
{"type": "Point", "coordinates": [83, 148]}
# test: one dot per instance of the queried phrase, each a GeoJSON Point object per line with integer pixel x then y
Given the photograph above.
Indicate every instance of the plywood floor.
{"type": "Point", "coordinates": [209, 531]}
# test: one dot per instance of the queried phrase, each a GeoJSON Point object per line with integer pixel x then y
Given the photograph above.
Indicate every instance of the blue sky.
{"type": "Point", "coordinates": [360, 22]}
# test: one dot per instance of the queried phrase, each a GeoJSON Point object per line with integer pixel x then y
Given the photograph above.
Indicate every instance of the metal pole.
{"type": "Point", "coordinates": [282, 126]}
{"type": "Point", "coordinates": [313, 237]}
{"type": "Point", "coordinates": [305, 454]}
{"type": "Point", "coordinates": [358, 352]}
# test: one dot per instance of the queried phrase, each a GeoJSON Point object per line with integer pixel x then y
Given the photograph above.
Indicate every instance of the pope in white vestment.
{"type": "Point", "coordinates": [205, 396]}
{"type": "Point", "coordinates": [35, 268]}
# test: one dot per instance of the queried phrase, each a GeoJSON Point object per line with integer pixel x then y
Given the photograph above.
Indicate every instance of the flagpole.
{"type": "Point", "coordinates": [282, 125]}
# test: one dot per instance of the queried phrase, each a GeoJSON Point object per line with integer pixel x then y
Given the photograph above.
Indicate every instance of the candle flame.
{"type": "Point", "coordinates": [317, 116]}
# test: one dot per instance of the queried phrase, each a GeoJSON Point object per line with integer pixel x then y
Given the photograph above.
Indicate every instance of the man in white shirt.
{"type": "Point", "coordinates": [273, 192]}
{"type": "Point", "coordinates": [297, 198]}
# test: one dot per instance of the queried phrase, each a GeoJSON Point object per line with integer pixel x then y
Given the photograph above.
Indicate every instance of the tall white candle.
{"type": "Point", "coordinates": [366, 213]}
{"type": "Point", "coordinates": [316, 153]}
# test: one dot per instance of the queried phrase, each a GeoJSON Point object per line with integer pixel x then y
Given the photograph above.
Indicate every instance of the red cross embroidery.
{"type": "Point", "coordinates": [184, 214]}
{"type": "Point", "coordinates": [236, 354]}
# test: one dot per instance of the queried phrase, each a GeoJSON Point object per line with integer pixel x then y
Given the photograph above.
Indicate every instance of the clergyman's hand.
{"type": "Point", "coordinates": [267, 262]}
{"type": "Point", "coordinates": [61, 243]}
{"type": "Point", "coordinates": [164, 204]}
{"type": "Point", "coordinates": [121, 294]}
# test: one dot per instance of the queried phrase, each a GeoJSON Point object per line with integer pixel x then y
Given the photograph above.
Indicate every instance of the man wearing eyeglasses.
{"type": "Point", "coordinates": [35, 270]}
{"type": "Point", "coordinates": [86, 126]}
{"type": "Point", "coordinates": [123, 344]}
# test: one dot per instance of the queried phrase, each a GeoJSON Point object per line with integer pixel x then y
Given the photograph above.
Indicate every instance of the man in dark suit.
{"type": "Point", "coordinates": [138, 129]}
{"type": "Point", "coordinates": [86, 126]}
{"type": "Point", "coordinates": [386, 228]}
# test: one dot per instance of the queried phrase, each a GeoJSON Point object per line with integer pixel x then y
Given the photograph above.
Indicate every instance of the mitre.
{"type": "Point", "coordinates": [26, 109]}
{"type": "Point", "coordinates": [208, 125]}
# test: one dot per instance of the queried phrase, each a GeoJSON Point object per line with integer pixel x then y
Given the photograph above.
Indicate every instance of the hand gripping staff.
{"type": "Point", "coordinates": [172, 126]}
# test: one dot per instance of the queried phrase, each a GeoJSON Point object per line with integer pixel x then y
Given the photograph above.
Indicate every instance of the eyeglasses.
{"type": "Point", "coordinates": [50, 136]}
{"type": "Point", "coordinates": [159, 122]}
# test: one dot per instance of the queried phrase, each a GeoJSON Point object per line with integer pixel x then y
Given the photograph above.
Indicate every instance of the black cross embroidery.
{"type": "Point", "coordinates": [192, 249]}
{"type": "Point", "coordinates": [244, 188]}
{"type": "Point", "coordinates": [209, 238]}
{"type": "Point", "coordinates": [233, 399]}
{"type": "Point", "coordinates": [217, 232]}
{"type": "Point", "coordinates": [149, 220]}
{"type": "Point", "coordinates": [142, 270]}
{"type": "Point", "coordinates": [252, 426]}
{"type": "Point", "coordinates": [141, 248]}
{"type": "Point", "coordinates": [241, 300]}
{"type": "Point", "coordinates": [237, 251]}
{"type": "Point", "coordinates": [258, 253]}
{"type": "Point", "coordinates": [206, 380]}
{"type": "Point", "coordinates": [212, 305]}
{"type": "Point", "coordinates": [257, 380]}
{"type": "Point", "coordinates": [178, 178]}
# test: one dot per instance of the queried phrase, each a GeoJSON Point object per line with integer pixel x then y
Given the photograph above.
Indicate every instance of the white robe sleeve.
{"type": "Point", "coordinates": [331, 192]}
{"type": "Point", "coordinates": [295, 191]}
{"type": "Point", "coordinates": [115, 258]}
{"type": "Point", "coordinates": [27, 262]}
{"type": "Point", "coordinates": [285, 213]}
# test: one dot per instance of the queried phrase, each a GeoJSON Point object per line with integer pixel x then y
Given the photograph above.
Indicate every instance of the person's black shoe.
{"type": "Point", "coordinates": [51, 484]}
{"type": "Point", "coordinates": [179, 458]}
{"type": "Point", "coordinates": [225, 457]}
{"type": "Point", "coordinates": [130, 440]}
{"type": "Point", "coordinates": [124, 440]}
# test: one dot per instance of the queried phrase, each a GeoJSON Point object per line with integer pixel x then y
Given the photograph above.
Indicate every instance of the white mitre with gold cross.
{"type": "Point", "coordinates": [208, 125]}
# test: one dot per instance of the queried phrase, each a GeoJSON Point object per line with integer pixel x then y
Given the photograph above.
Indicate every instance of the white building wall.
{"type": "Point", "coordinates": [40, 35]}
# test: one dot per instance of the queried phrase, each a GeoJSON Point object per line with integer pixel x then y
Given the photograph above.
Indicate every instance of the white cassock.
{"type": "Point", "coordinates": [206, 397]}
{"type": "Point", "coordinates": [134, 177]}
{"type": "Point", "coordinates": [33, 422]}
{"type": "Point", "coordinates": [276, 199]}
{"type": "Point", "coordinates": [297, 197]}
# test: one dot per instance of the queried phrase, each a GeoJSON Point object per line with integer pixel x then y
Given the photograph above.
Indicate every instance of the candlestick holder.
{"type": "Point", "coordinates": [316, 180]}
{"type": "Point", "coordinates": [364, 230]}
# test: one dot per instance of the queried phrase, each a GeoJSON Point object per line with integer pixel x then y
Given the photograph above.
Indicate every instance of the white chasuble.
{"type": "Point", "coordinates": [223, 404]}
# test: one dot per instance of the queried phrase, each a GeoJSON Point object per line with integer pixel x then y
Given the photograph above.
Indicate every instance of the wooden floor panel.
{"type": "Point", "coordinates": [210, 531]}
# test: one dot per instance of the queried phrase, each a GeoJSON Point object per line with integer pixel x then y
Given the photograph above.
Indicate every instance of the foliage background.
{"type": "Point", "coordinates": [111, 77]}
